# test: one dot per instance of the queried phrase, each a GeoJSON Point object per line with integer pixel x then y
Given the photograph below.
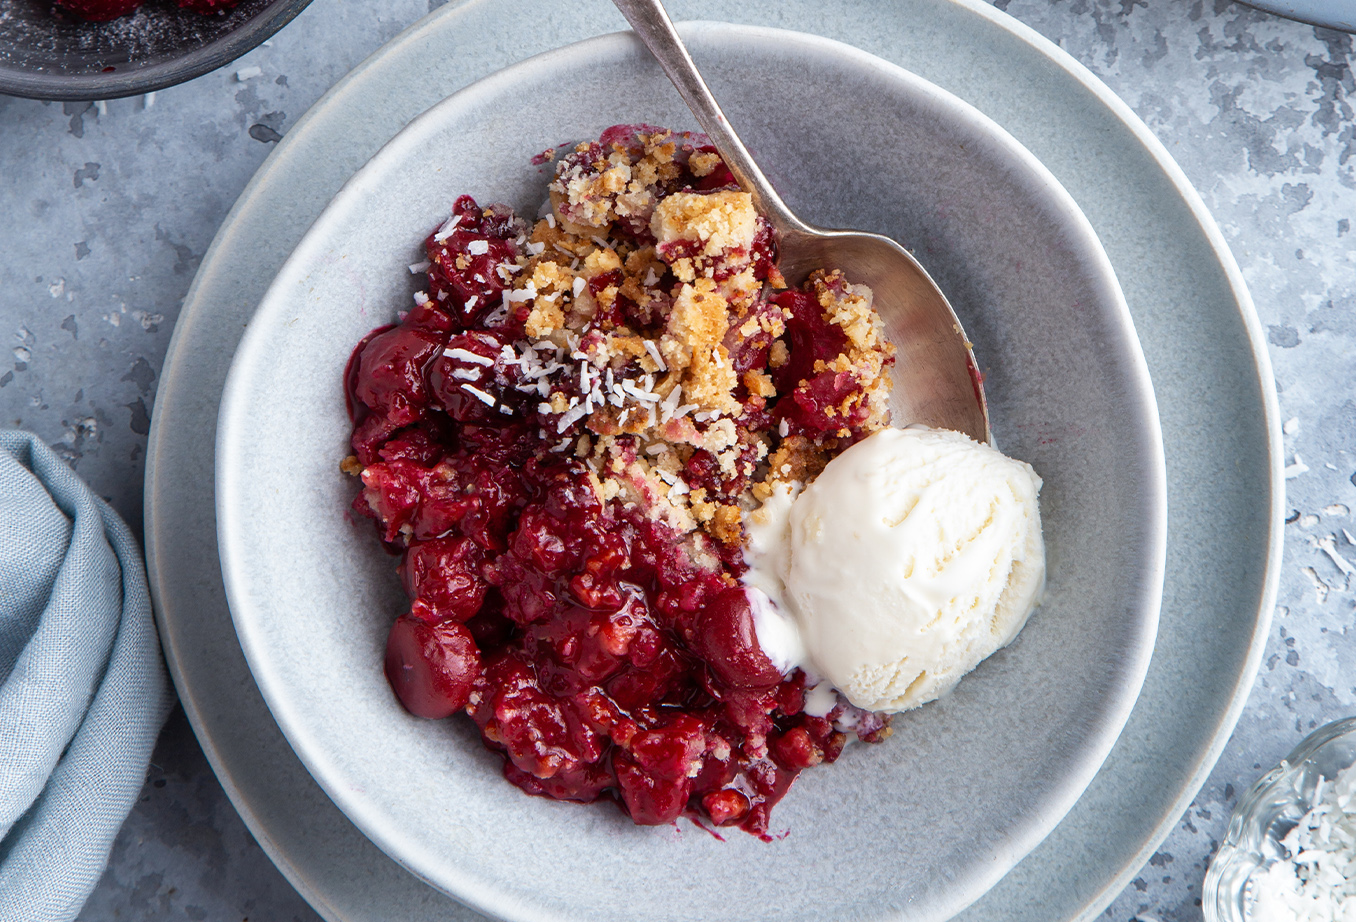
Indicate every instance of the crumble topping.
{"type": "Point", "coordinates": [650, 326]}
{"type": "Point", "coordinates": [654, 343]}
{"type": "Point", "coordinates": [708, 225]}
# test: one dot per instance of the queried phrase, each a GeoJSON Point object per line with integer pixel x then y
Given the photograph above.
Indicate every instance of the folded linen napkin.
{"type": "Point", "coordinates": [83, 691]}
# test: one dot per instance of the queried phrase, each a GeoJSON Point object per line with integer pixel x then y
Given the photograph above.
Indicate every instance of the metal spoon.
{"type": "Point", "coordinates": [936, 380]}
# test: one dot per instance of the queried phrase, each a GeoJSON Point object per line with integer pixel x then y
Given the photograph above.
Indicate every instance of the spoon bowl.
{"type": "Point", "coordinates": [936, 380]}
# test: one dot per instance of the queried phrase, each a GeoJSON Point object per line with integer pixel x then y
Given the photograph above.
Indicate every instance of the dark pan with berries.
{"type": "Point", "coordinates": [106, 49]}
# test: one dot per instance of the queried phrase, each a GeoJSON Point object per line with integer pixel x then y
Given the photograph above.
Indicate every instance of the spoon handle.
{"type": "Point", "coordinates": [652, 24]}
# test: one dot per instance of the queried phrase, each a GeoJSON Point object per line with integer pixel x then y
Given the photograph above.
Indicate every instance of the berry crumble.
{"type": "Point", "coordinates": [563, 439]}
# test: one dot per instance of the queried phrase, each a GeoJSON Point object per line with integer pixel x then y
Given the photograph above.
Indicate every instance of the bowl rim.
{"type": "Point", "coordinates": [17, 81]}
{"type": "Point", "coordinates": [233, 424]}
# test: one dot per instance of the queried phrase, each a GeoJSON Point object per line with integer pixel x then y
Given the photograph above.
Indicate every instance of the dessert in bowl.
{"type": "Point", "coordinates": [917, 827]}
{"type": "Point", "coordinates": [588, 441]}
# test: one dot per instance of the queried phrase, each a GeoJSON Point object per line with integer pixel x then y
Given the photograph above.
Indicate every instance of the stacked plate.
{"type": "Point", "coordinates": [971, 785]}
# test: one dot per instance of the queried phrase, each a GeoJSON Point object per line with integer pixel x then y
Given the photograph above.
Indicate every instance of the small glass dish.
{"type": "Point", "coordinates": [1270, 809]}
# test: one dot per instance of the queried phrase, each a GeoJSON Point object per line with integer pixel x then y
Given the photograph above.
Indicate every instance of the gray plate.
{"type": "Point", "coordinates": [982, 775]}
{"type": "Point", "coordinates": [1217, 408]}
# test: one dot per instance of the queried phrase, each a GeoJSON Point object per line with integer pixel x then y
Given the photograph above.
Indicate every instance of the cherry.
{"type": "Point", "coordinates": [726, 806]}
{"type": "Point", "coordinates": [452, 377]}
{"type": "Point", "coordinates": [795, 750]}
{"type": "Point", "coordinates": [465, 275]}
{"type": "Point", "coordinates": [385, 384]}
{"type": "Point", "coordinates": [652, 800]}
{"type": "Point", "coordinates": [390, 374]}
{"type": "Point", "coordinates": [809, 338]}
{"type": "Point", "coordinates": [443, 578]}
{"type": "Point", "coordinates": [431, 667]}
{"type": "Point", "coordinates": [726, 639]}
{"type": "Point", "coordinates": [423, 443]}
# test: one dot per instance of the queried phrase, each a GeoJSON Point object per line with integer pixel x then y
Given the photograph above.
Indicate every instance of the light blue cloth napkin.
{"type": "Point", "coordinates": [83, 691]}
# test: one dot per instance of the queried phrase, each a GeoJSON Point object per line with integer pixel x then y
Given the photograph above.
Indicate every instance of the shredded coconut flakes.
{"type": "Point", "coordinates": [1317, 881]}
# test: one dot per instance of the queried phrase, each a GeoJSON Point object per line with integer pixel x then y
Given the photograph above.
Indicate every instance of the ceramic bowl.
{"type": "Point", "coordinates": [916, 828]}
{"type": "Point", "coordinates": [1266, 814]}
{"type": "Point", "coordinates": [48, 54]}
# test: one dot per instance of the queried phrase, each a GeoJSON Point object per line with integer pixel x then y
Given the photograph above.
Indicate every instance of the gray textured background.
{"type": "Point", "coordinates": [108, 209]}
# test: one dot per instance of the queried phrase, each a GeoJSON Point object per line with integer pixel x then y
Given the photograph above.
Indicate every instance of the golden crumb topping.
{"type": "Point", "coordinates": [663, 351]}
{"type": "Point", "coordinates": [712, 222]}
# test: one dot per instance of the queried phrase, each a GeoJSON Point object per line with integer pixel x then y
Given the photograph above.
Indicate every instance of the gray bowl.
{"type": "Point", "coordinates": [46, 53]}
{"type": "Point", "coordinates": [916, 828]}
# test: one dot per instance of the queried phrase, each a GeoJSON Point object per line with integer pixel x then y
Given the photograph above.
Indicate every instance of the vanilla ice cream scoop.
{"type": "Point", "coordinates": [911, 558]}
